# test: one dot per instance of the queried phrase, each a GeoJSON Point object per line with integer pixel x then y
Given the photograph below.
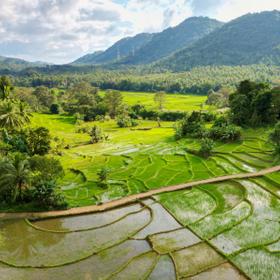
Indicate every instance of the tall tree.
{"type": "Point", "coordinates": [113, 100]}
{"type": "Point", "coordinates": [14, 176]}
{"type": "Point", "coordinates": [160, 99]}
{"type": "Point", "coordinates": [38, 141]}
{"type": "Point", "coordinates": [13, 114]}
{"type": "Point", "coordinates": [45, 96]}
{"type": "Point", "coordinates": [5, 87]}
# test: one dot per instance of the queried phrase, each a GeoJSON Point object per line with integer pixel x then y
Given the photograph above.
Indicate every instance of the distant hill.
{"type": "Point", "coordinates": [10, 63]}
{"type": "Point", "coordinates": [119, 50]}
{"type": "Point", "coordinates": [173, 39]}
{"type": "Point", "coordinates": [250, 39]}
{"type": "Point", "coordinates": [88, 58]}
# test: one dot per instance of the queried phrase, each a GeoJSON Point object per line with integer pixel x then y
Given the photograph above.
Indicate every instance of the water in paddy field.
{"type": "Point", "coordinates": [139, 241]}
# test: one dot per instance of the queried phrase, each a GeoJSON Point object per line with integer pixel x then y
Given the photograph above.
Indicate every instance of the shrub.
{"type": "Point", "coordinates": [190, 126]}
{"type": "Point", "coordinates": [38, 141]}
{"type": "Point", "coordinates": [15, 142]}
{"type": "Point", "coordinates": [148, 114]}
{"type": "Point", "coordinates": [103, 177]}
{"type": "Point", "coordinates": [45, 168]}
{"type": "Point", "coordinates": [275, 135]}
{"type": "Point", "coordinates": [126, 121]}
{"type": "Point", "coordinates": [97, 135]}
{"type": "Point", "coordinates": [275, 138]}
{"type": "Point", "coordinates": [224, 131]}
{"type": "Point", "coordinates": [45, 196]}
{"type": "Point", "coordinates": [171, 116]}
{"type": "Point", "coordinates": [55, 108]}
{"type": "Point", "coordinates": [93, 113]}
{"type": "Point", "coordinates": [206, 148]}
{"type": "Point", "coordinates": [227, 133]}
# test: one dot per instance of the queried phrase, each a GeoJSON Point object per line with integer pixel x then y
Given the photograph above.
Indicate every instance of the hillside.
{"type": "Point", "coordinates": [173, 39]}
{"type": "Point", "coordinates": [88, 57]}
{"type": "Point", "coordinates": [10, 63]}
{"type": "Point", "coordinates": [122, 48]}
{"type": "Point", "coordinates": [250, 39]}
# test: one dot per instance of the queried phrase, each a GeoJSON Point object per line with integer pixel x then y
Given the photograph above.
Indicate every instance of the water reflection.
{"type": "Point", "coordinates": [21, 241]}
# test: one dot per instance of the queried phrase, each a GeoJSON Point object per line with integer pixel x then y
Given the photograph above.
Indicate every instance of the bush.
{"type": "Point", "coordinates": [93, 113]}
{"type": "Point", "coordinates": [190, 126]}
{"type": "Point", "coordinates": [172, 116]}
{"type": "Point", "coordinates": [45, 168]}
{"type": "Point", "coordinates": [148, 114]}
{"type": "Point", "coordinates": [227, 133]}
{"type": "Point", "coordinates": [45, 196]}
{"type": "Point", "coordinates": [126, 121]}
{"type": "Point", "coordinates": [38, 141]}
{"type": "Point", "coordinates": [275, 138]}
{"type": "Point", "coordinates": [208, 116]}
{"type": "Point", "coordinates": [206, 148]}
{"type": "Point", "coordinates": [15, 142]}
{"type": "Point", "coordinates": [224, 131]}
{"type": "Point", "coordinates": [103, 177]}
{"type": "Point", "coordinates": [55, 109]}
{"type": "Point", "coordinates": [97, 135]}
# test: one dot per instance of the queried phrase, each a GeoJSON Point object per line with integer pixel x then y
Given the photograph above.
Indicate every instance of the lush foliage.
{"type": "Point", "coordinates": [254, 104]}
{"type": "Point", "coordinates": [207, 146]}
{"type": "Point", "coordinates": [229, 45]}
{"type": "Point", "coordinates": [224, 131]}
{"type": "Point", "coordinates": [25, 178]}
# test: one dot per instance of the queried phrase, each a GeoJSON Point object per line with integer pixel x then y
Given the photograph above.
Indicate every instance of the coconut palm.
{"type": "Point", "coordinates": [5, 87]}
{"type": "Point", "coordinates": [13, 114]}
{"type": "Point", "coordinates": [14, 175]}
{"type": "Point", "coordinates": [24, 112]}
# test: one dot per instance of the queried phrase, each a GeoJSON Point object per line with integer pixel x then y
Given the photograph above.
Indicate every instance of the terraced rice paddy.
{"type": "Point", "coordinates": [228, 230]}
{"type": "Point", "coordinates": [202, 233]}
{"type": "Point", "coordinates": [140, 160]}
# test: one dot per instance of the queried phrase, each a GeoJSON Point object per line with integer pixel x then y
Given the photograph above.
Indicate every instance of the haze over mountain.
{"type": "Point", "coordinates": [250, 39]}
{"type": "Point", "coordinates": [146, 48]}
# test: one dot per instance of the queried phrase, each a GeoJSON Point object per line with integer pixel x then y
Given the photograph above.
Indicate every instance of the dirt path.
{"type": "Point", "coordinates": [133, 198]}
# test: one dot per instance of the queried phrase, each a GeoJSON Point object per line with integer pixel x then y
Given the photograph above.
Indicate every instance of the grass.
{"type": "Point", "coordinates": [173, 102]}
{"type": "Point", "coordinates": [235, 221]}
{"type": "Point", "coordinates": [140, 160]}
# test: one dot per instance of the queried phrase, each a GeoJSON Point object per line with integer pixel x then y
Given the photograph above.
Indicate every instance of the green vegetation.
{"type": "Point", "coordinates": [92, 153]}
{"type": "Point", "coordinates": [229, 45]}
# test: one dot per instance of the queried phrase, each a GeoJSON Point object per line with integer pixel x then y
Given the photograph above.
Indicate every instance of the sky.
{"type": "Point", "coordinates": [60, 31]}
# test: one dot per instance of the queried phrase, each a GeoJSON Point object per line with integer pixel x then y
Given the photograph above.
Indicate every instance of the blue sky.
{"type": "Point", "coordinates": [59, 31]}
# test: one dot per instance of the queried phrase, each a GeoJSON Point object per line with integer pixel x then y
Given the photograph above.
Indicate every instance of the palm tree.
{"type": "Point", "coordinates": [14, 175]}
{"type": "Point", "coordinates": [13, 114]}
{"type": "Point", "coordinates": [5, 87]}
{"type": "Point", "coordinates": [24, 112]}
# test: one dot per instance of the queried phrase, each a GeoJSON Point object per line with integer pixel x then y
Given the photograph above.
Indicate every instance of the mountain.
{"type": "Point", "coordinates": [121, 49]}
{"type": "Point", "coordinates": [10, 63]}
{"type": "Point", "coordinates": [173, 39]}
{"type": "Point", "coordinates": [250, 39]}
{"type": "Point", "coordinates": [88, 58]}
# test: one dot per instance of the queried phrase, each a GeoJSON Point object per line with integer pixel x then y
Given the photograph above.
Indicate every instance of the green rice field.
{"type": "Point", "coordinates": [173, 102]}
{"type": "Point", "coordinates": [227, 230]}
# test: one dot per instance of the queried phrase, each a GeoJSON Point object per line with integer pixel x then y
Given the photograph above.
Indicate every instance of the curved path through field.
{"type": "Point", "coordinates": [132, 198]}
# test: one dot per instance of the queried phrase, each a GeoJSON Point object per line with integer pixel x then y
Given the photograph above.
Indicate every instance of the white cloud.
{"type": "Point", "coordinates": [62, 30]}
{"type": "Point", "coordinates": [231, 9]}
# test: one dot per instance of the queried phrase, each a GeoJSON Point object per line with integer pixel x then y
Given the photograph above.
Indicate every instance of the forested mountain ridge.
{"type": "Point", "coordinates": [10, 63]}
{"type": "Point", "coordinates": [250, 39]}
{"type": "Point", "coordinates": [173, 39]}
{"type": "Point", "coordinates": [146, 48]}
{"type": "Point", "coordinates": [88, 57]}
{"type": "Point", "coordinates": [120, 49]}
